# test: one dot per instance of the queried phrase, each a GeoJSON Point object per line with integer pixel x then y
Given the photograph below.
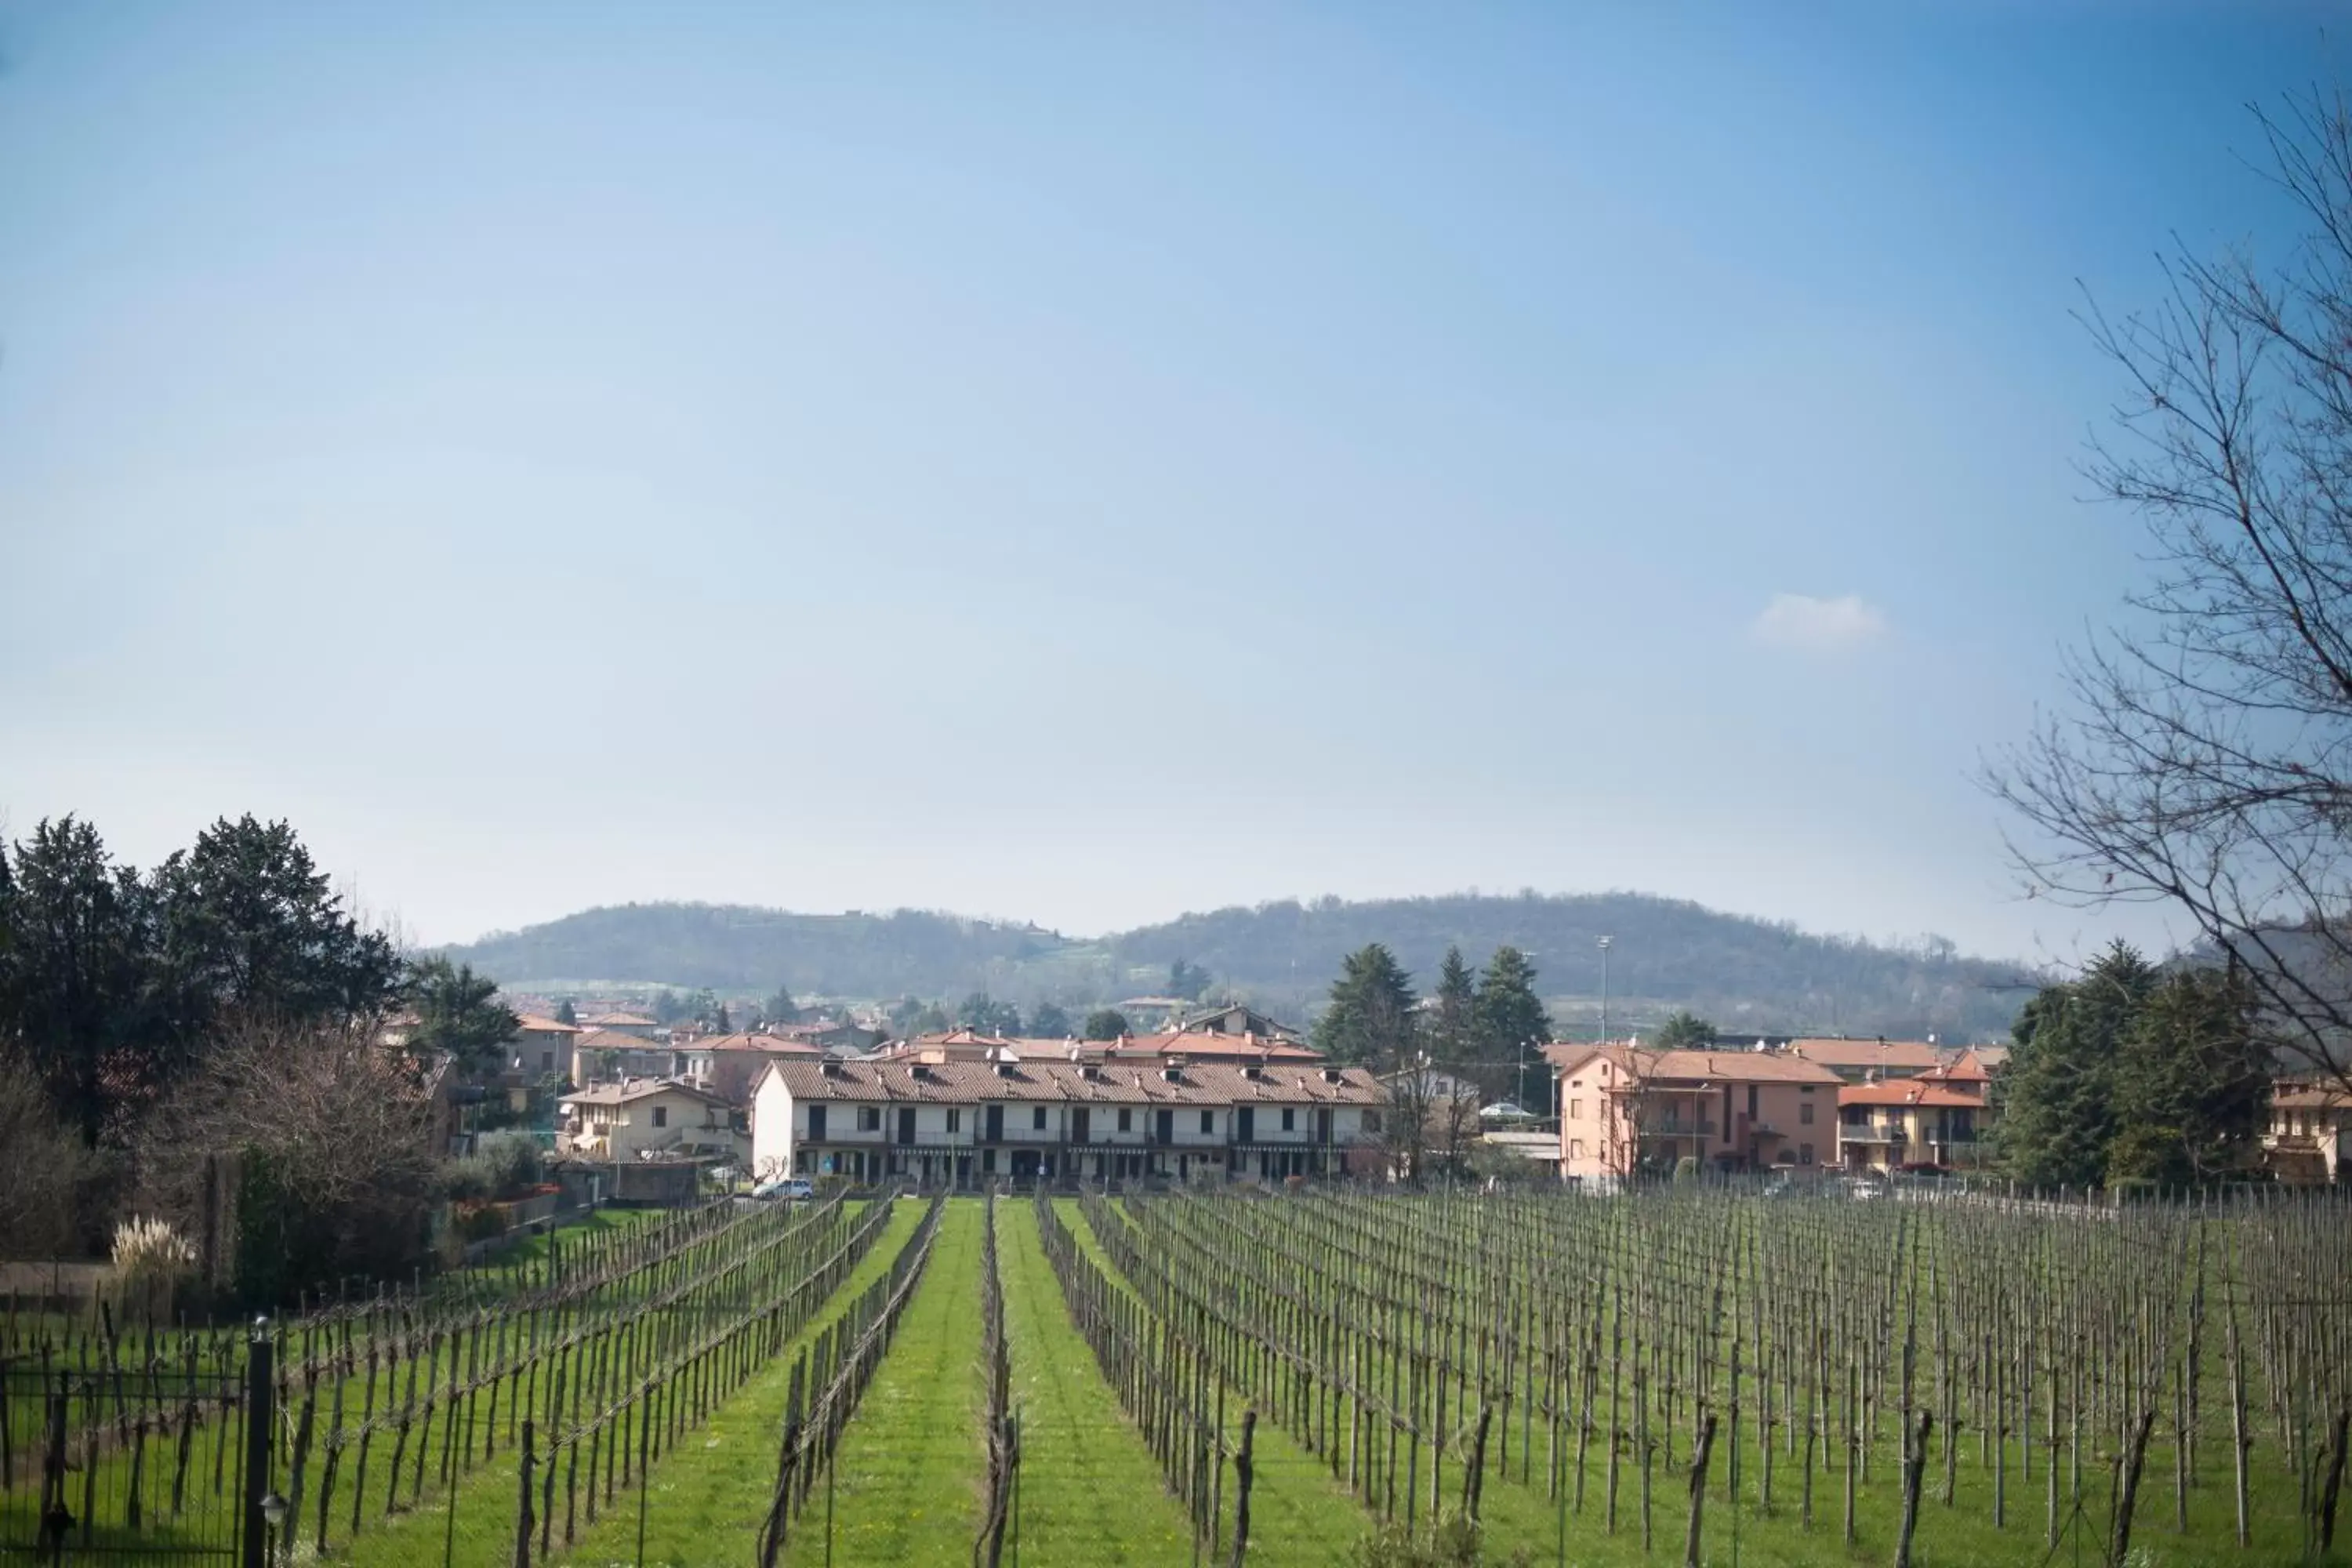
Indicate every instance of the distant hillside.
{"type": "Point", "coordinates": [1746, 975]}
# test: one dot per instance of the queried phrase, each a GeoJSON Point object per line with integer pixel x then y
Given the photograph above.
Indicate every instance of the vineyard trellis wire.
{"type": "Point", "coordinates": [624, 1388]}
{"type": "Point", "coordinates": [1391, 1335]}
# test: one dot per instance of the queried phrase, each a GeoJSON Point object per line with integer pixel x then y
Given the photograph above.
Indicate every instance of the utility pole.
{"type": "Point", "coordinates": [1604, 988]}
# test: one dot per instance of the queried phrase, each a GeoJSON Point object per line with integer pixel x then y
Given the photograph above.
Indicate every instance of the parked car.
{"type": "Point", "coordinates": [790, 1188]}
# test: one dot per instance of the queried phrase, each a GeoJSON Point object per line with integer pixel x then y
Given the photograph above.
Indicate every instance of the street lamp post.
{"type": "Point", "coordinates": [1604, 988]}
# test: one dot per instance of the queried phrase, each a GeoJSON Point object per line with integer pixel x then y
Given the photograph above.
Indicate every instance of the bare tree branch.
{"type": "Point", "coordinates": [2204, 757]}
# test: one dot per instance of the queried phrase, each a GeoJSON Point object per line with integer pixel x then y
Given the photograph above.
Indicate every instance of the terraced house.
{"type": "Point", "coordinates": [940, 1121]}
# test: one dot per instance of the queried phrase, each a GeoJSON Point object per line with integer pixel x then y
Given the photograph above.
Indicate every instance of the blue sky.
{"type": "Point", "coordinates": [1082, 463]}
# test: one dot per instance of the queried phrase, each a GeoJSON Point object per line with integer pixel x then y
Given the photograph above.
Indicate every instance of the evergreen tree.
{"type": "Point", "coordinates": [1105, 1024]}
{"type": "Point", "coordinates": [75, 972]}
{"type": "Point", "coordinates": [1506, 1012]}
{"type": "Point", "coordinates": [981, 1011]}
{"type": "Point", "coordinates": [457, 1012]}
{"type": "Point", "coordinates": [566, 1014]}
{"type": "Point", "coordinates": [1371, 1017]}
{"type": "Point", "coordinates": [1452, 1024]}
{"type": "Point", "coordinates": [248, 926]}
{"type": "Point", "coordinates": [2056, 1101]}
{"type": "Point", "coordinates": [1510, 1025]}
{"type": "Point", "coordinates": [1049, 1022]}
{"type": "Point", "coordinates": [1684, 1031]}
{"type": "Point", "coordinates": [721, 1021]}
{"type": "Point", "coordinates": [667, 1006]}
{"type": "Point", "coordinates": [2193, 1084]}
{"type": "Point", "coordinates": [1187, 980]}
{"type": "Point", "coordinates": [781, 1009]}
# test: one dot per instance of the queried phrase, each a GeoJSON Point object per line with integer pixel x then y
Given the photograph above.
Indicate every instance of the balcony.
{"type": "Point", "coordinates": [1679, 1130]}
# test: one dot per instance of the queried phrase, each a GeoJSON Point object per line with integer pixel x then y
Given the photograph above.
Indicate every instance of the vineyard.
{"type": "Point", "coordinates": [1182, 1378]}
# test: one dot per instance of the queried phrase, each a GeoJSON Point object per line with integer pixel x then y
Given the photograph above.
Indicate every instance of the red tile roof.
{"type": "Point", "coordinates": [1910, 1091]}
{"type": "Point", "coordinates": [1655, 1067]}
{"type": "Point", "coordinates": [768, 1045]}
{"type": "Point", "coordinates": [964, 1082]}
{"type": "Point", "coordinates": [1908, 1055]}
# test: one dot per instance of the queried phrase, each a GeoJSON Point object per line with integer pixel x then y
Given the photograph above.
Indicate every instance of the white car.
{"type": "Point", "coordinates": [790, 1188]}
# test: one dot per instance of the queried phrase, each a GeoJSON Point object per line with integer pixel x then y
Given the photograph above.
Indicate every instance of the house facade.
{"type": "Point", "coordinates": [541, 1048]}
{"type": "Point", "coordinates": [937, 1120]}
{"type": "Point", "coordinates": [1909, 1122]}
{"type": "Point", "coordinates": [2309, 1139]}
{"type": "Point", "coordinates": [1629, 1109]}
{"type": "Point", "coordinates": [643, 1119]}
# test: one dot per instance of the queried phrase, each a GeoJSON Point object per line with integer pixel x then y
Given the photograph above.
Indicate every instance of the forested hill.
{"type": "Point", "coordinates": [1746, 975]}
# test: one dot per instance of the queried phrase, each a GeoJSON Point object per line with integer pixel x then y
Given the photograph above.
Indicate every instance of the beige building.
{"type": "Point", "coordinates": [1909, 1122]}
{"type": "Point", "coordinates": [642, 1119]}
{"type": "Point", "coordinates": [2310, 1134]}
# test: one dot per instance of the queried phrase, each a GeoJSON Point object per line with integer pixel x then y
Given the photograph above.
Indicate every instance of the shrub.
{"type": "Point", "coordinates": [1455, 1543]}
{"type": "Point", "coordinates": [512, 1162]}
{"type": "Point", "coordinates": [151, 1258]}
{"type": "Point", "coordinates": [469, 1179]}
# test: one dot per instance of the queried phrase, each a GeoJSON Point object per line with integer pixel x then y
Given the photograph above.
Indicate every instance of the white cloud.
{"type": "Point", "coordinates": [1818, 626]}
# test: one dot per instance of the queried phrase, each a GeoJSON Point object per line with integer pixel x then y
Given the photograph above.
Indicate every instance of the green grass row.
{"type": "Point", "coordinates": [908, 1478]}
{"type": "Point", "coordinates": [1090, 1490]}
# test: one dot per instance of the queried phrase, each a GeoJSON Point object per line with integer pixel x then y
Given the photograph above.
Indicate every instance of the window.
{"type": "Point", "coordinates": [661, 1115]}
{"type": "Point", "coordinates": [1805, 1151]}
{"type": "Point", "coordinates": [1371, 1121]}
{"type": "Point", "coordinates": [1126, 1120]}
{"type": "Point", "coordinates": [1576, 1083]}
{"type": "Point", "coordinates": [547, 1061]}
{"type": "Point", "coordinates": [870, 1119]}
{"type": "Point", "coordinates": [1576, 1110]}
{"type": "Point", "coordinates": [1038, 1118]}
{"type": "Point", "coordinates": [1289, 1120]}
{"type": "Point", "coordinates": [1805, 1114]}
{"type": "Point", "coordinates": [1576, 1148]}
{"type": "Point", "coordinates": [1208, 1122]}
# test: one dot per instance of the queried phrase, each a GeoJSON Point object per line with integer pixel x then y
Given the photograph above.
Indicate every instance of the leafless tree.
{"type": "Point", "coordinates": [2204, 758]}
{"type": "Point", "coordinates": [339, 1126]}
{"type": "Point", "coordinates": [46, 1165]}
